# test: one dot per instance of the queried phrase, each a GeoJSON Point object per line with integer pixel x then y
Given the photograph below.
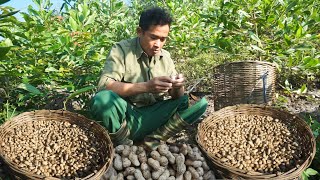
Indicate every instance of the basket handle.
{"type": "Point", "coordinates": [264, 84]}
{"type": "Point", "coordinates": [263, 77]}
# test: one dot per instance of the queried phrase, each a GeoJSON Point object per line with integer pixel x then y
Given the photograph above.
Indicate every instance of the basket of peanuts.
{"type": "Point", "coordinates": [54, 144]}
{"type": "Point", "coordinates": [249, 141]}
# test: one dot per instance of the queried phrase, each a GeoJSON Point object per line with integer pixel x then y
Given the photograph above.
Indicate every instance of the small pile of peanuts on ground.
{"type": "Point", "coordinates": [167, 162]}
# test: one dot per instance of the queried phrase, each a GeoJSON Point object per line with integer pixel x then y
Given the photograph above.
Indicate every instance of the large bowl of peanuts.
{"type": "Point", "coordinates": [55, 144]}
{"type": "Point", "coordinates": [256, 142]}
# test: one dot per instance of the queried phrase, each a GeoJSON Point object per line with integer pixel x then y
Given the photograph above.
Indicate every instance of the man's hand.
{"type": "Point", "coordinates": [174, 86]}
{"type": "Point", "coordinates": [159, 84]}
{"type": "Point", "coordinates": [177, 89]}
{"type": "Point", "coordinates": [177, 81]}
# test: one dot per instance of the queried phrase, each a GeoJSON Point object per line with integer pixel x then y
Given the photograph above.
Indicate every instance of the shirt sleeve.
{"type": "Point", "coordinates": [171, 68]}
{"type": "Point", "coordinates": [113, 68]}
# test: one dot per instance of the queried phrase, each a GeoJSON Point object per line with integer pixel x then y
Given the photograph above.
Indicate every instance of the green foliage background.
{"type": "Point", "coordinates": [52, 56]}
{"type": "Point", "coordinates": [53, 53]}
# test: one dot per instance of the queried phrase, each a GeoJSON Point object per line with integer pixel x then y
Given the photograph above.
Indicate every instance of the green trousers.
{"type": "Point", "coordinates": [110, 110]}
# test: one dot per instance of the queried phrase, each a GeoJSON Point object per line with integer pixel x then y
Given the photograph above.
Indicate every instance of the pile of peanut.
{"type": "Point", "coordinates": [53, 149]}
{"type": "Point", "coordinates": [255, 143]}
{"type": "Point", "coordinates": [167, 162]}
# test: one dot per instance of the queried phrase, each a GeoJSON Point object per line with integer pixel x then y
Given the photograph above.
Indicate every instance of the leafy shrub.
{"type": "Point", "coordinates": [54, 53]}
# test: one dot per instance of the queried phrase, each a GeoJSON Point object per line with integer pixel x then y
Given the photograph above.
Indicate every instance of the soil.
{"type": "Point", "coordinates": [306, 105]}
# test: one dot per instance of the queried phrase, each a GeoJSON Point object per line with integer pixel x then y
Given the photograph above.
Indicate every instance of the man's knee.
{"type": "Point", "coordinates": [106, 98]}
{"type": "Point", "coordinates": [107, 105]}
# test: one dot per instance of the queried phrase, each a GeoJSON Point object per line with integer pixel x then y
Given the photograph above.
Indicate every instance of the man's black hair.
{"type": "Point", "coordinates": [154, 16]}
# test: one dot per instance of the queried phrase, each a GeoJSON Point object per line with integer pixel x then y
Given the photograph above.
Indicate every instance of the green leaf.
{"type": "Point", "coordinates": [299, 32]}
{"type": "Point", "coordinates": [281, 2]}
{"type": "Point", "coordinates": [256, 48]}
{"type": "Point", "coordinates": [8, 14]}
{"type": "Point", "coordinates": [243, 13]}
{"type": "Point", "coordinates": [73, 14]}
{"type": "Point", "coordinates": [50, 69]}
{"type": "Point", "coordinates": [90, 19]}
{"type": "Point", "coordinates": [7, 42]}
{"type": "Point", "coordinates": [81, 18]}
{"type": "Point", "coordinates": [171, 4]}
{"type": "Point", "coordinates": [304, 176]}
{"type": "Point", "coordinates": [291, 5]}
{"type": "Point", "coordinates": [4, 51]}
{"type": "Point", "coordinates": [303, 47]}
{"type": "Point", "coordinates": [62, 40]}
{"type": "Point", "coordinates": [254, 37]}
{"type": "Point", "coordinates": [309, 62]}
{"type": "Point", "coordinates": [11, 112]}
{"type": "Point", "coordinates": [287, 39]}
{"type": "Point", "coordinates": [86, 10]}
{"type": "Point", "coordinates": [38, 3]}
{"type": "Point", "coordinates": [217, 30]}
{"type": "Point", "coordinates": [32, 11]}
{"type": "Point", "coordinates": [29, 88]}
{"type": "Point", "coordinates": [5, 47]}
{"type": "Point", "coordinates": [49, 14]}
{"type": "Point", "coordinates": [302, 90]}
{"type": "Point", "coordinates": [46, 4]}
{"type": "Point", "coordinates": [290, 51]}
{"type": "Point", "coordinates": [311, 172]}
{"type": "Point", "coordinates": [80, 91]}
{"type": "Point", "coordinates": [287, 84]}
{"type": "Point", "coordinates": [3, 1]}
{"type": "Point", "coordinates": [73, 24]}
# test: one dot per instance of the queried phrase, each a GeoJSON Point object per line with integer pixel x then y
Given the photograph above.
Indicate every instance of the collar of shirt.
{"type": "Point", "coordinates": [140, 52]}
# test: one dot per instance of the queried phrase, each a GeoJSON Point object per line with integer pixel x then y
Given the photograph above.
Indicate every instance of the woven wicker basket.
{"type": "Point", "coordinates": [230, 172]}
{"type": "Point", "coordinates": [58, 115]}
{"type": "Point", "coordinates": [247, 82]}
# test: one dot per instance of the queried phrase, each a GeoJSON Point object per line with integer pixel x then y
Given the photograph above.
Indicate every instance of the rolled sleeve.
{"type": "Point", "coordinates": [114, 68]}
